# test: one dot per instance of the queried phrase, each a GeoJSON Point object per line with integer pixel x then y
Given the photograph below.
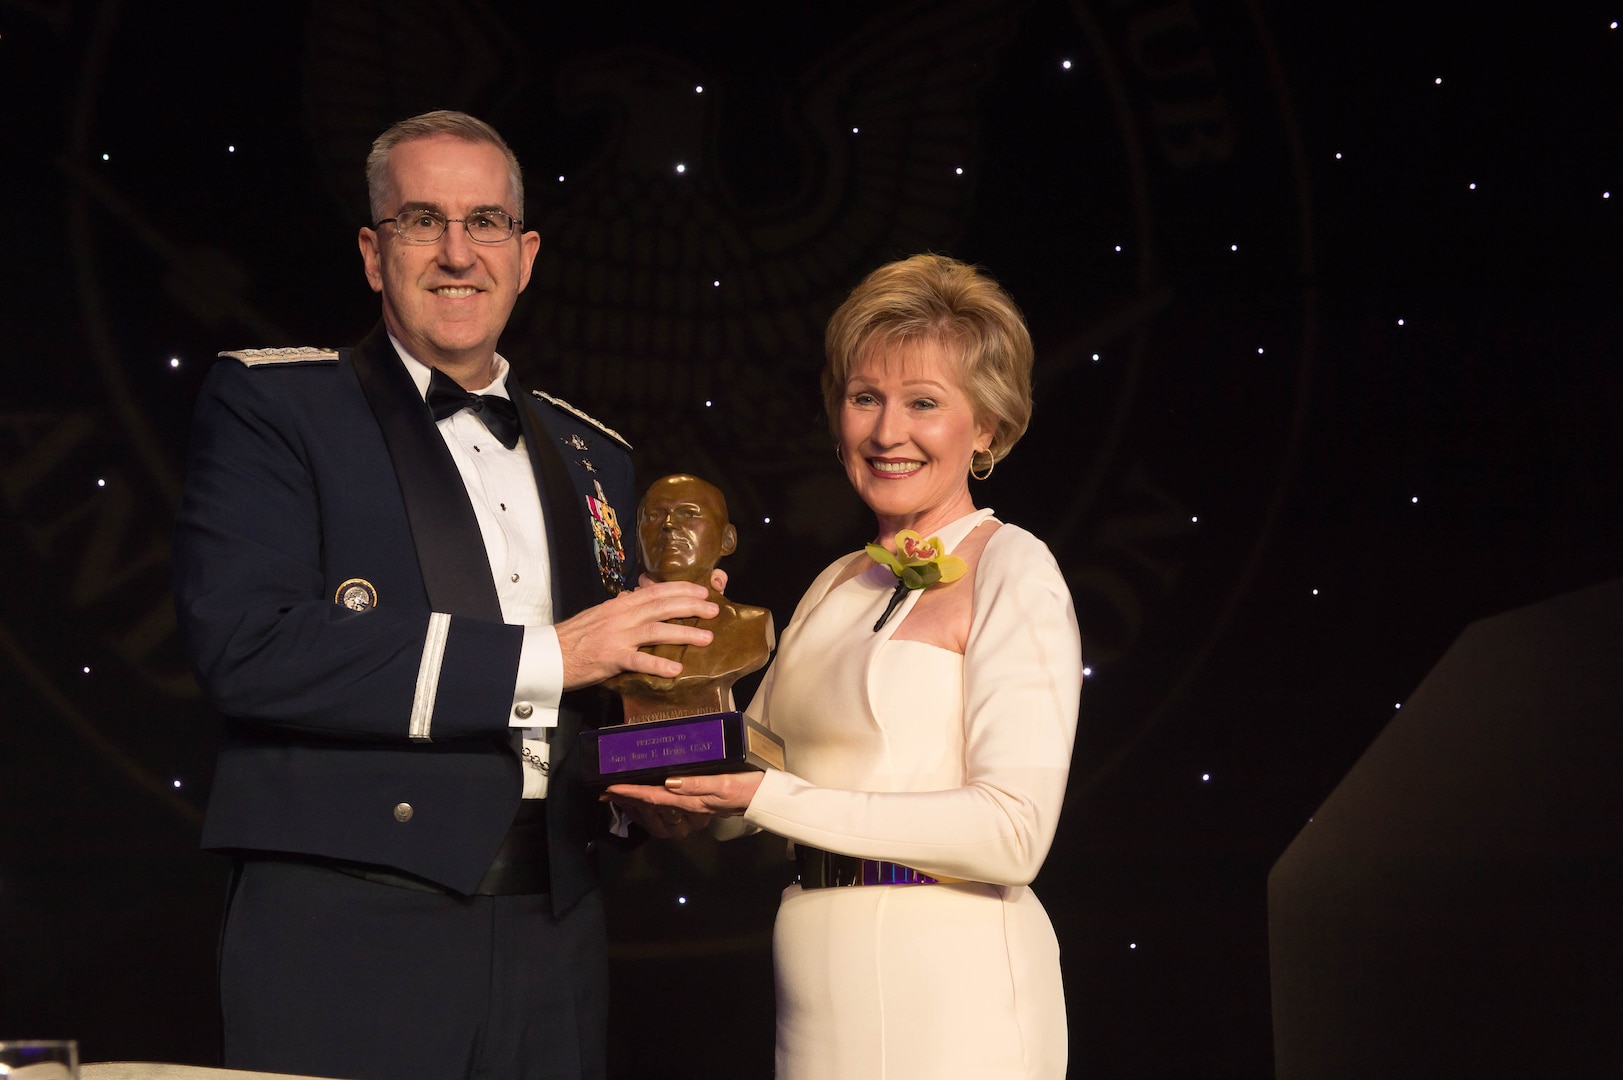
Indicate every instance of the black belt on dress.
{"type": "Point", "coordinates": [821, 869]}
{"type": "Point", "coordinates": [520, 868]}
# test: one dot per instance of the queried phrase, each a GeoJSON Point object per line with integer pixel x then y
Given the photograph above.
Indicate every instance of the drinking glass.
{"type": "Point", "coordinates": [39, 1059]}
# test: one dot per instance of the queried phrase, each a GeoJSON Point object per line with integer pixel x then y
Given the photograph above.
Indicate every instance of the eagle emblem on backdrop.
{"type": "Point", "coordinates": [682, 286]}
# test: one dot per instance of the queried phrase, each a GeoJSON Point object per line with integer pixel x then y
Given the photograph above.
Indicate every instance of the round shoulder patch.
{"type": "Point", "coordinates": [357, 594]}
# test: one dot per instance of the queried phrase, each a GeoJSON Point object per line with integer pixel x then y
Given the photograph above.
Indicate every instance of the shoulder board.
{"type": "Point", "coordinates": [293, 355]}
{"type": "Point", "coordinates": [571, 410]}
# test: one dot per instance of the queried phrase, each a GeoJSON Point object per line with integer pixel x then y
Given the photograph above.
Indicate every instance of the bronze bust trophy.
{"type": "Point", "coordinates": [688, 725]}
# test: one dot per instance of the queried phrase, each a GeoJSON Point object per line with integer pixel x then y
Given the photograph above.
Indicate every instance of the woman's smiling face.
{"type": "Point", "coordinates": [907, 433]}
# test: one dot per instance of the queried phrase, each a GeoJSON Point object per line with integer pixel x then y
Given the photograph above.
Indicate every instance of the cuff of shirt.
{"type": "Point", "coordinates": [540, 682]}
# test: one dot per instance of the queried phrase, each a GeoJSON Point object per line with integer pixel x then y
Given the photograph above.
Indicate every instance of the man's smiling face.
{"type": "Point", "coordinates": [448, 301]}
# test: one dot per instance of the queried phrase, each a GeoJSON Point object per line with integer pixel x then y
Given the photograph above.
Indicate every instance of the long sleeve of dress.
{"type": "Point", "coordinates": [1022, 686]}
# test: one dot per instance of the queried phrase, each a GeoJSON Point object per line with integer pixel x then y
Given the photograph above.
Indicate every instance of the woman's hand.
{"type": "Point", "coordinates": [727, 795]}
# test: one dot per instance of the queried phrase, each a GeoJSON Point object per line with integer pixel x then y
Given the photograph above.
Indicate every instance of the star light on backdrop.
{"type": "Point", "coordinates": [1375, 217]}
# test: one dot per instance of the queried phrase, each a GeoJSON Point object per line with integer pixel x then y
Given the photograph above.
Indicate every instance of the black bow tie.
{"type": "Point", "coordinates": [499, 415]}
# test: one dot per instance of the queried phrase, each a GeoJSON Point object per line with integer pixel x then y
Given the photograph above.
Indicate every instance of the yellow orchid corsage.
{"type": "Point", "coordinates": [918, 563]}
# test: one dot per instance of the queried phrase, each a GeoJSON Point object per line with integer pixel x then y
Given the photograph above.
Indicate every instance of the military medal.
{"type": "Point", "coordinates": [611, 552]}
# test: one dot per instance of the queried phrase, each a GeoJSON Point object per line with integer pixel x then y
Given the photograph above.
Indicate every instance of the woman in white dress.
{"type": "Point", "coordinates": [928, 728]}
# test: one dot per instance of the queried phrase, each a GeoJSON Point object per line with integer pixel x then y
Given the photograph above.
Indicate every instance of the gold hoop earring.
{"type": "Point", "coordinates": [991, 463]}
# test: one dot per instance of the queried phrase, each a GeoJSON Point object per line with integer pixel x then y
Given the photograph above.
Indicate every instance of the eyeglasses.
{"type": "Point", "coordinates": [427, 226]}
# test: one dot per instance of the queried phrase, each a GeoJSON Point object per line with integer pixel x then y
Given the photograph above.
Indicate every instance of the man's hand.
{"type": "Point", "coordinates": [604, 640]}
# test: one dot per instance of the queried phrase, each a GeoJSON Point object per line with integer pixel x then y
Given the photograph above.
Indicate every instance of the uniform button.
{"type": "Point", "coordinates": [524, 710]}
{"type": "Point", "coordinates": [515, 577]}
{"type": "Point", "coordinates": [403, 811]}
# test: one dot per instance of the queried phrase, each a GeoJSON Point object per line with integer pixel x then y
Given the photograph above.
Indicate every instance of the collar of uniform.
{"type": "Point", "coordinates": [420, 373]}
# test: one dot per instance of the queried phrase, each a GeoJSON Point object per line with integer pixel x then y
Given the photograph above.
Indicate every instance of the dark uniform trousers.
{"type": "Point", "coordinates": [327, 974]}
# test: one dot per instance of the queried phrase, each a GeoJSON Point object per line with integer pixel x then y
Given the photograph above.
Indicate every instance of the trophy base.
{"type": "Point", "coordinates": [683, 746]}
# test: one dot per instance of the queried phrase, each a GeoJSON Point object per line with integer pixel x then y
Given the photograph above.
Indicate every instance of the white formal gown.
{"type": "Point", "coordinates": [952, 764]}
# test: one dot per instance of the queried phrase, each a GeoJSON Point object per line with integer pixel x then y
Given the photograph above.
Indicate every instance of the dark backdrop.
{"type": "Point", "coordinates": [1327, 367]}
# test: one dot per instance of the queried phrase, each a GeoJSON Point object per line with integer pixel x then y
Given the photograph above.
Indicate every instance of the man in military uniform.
{"type": "Point", "coordinates": [394, 591]}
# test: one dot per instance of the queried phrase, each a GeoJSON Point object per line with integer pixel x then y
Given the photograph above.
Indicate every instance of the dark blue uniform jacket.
{"type": "Point", "coordinates": [303, 476]}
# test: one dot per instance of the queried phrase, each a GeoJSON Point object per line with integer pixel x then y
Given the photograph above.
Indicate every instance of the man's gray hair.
{"type": "Point", "coordinates": [458, 125]}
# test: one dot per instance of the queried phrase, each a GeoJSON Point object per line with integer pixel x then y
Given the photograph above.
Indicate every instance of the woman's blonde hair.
{"type": "Point", "coordinates": [934, 298]}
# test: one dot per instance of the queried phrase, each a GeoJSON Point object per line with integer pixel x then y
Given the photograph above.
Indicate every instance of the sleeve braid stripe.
{"type": "Point", "coordinates": [428, 675]}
